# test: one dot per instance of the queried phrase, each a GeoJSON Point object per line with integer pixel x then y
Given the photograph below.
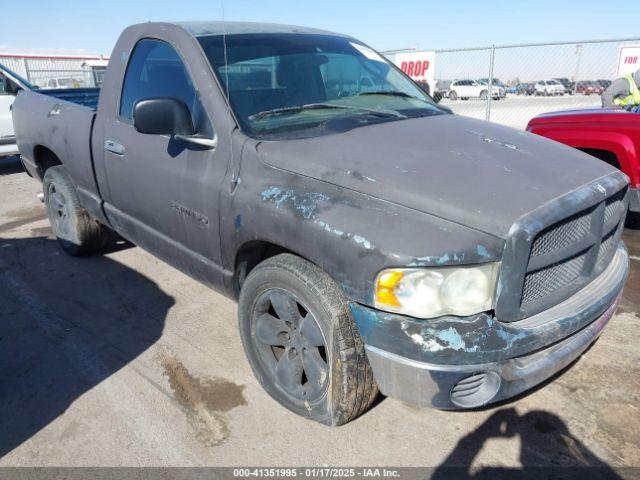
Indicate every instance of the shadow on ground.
{"type": "Point", "coordinates": [547, 450]}
{"type": "Point", "coordinates": [66, 324]}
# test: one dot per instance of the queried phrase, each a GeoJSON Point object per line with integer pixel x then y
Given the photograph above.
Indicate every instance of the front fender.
{"type": "Point", "coordinates": [350, 235]}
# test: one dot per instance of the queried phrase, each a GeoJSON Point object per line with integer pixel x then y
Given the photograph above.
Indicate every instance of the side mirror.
{"type": "Point", "coordinates": [162, 116]}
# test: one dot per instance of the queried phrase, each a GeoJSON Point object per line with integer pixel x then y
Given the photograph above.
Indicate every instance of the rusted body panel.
{"type": "Point", "coordinates": [424, 192]}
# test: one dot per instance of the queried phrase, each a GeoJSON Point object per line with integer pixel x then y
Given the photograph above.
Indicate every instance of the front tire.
{"type": "Point", "coordinates": [77, 233]}
{"type": "Point", "coordinates": [302, 343]}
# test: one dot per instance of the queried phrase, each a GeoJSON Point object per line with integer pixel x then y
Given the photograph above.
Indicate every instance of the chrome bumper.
{"type": "Point", "coordinates": [462, 382]}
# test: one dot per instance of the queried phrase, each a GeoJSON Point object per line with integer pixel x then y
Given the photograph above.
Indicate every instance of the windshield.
{"type": "Point", "coordinates": [293, 85]}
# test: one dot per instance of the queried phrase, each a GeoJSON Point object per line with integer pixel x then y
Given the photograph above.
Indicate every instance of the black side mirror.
{"type": "Point", "coordinates": [162, 116]}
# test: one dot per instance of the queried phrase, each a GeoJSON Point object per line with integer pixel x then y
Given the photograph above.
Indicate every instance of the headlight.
{"type": "Point", "coordinates": [433, 292]}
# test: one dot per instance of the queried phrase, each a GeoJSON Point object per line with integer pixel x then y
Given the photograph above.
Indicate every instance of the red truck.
{"type": "Point", "coordinates": [611, 135]}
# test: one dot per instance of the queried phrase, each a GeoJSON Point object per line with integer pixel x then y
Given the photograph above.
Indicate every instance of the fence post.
{"type": "Point", "coordinates": [490, 83]}
{"type": "Point", "coordinates": [577, 75]}
{"type": "Point", "coordinates": [27, 73]}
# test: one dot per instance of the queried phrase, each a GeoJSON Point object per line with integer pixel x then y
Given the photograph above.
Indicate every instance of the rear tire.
{"type": "Point", "coordinates": [77, 233]}
{"type": "Point", "coordinates": [302, 343]}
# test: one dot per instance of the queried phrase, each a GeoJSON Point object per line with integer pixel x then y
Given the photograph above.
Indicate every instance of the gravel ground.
{"type": "Point", "coordinates": [120, 360]}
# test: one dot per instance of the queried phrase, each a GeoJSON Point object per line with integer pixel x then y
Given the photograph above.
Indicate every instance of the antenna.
{"type": "Point", "coordinates": [235, 180]}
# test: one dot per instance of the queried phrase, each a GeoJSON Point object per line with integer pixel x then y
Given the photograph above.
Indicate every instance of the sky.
{"type": "Point", "coordinates": [90, 26]}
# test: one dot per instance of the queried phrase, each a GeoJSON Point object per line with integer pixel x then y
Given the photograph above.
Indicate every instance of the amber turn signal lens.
{"type": "Point", "coordinates": [385, 293]}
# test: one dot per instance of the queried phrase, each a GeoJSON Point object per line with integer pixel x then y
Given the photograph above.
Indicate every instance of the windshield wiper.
{"type": "Point", "coordinates": [394, 93]}
{"type": "Point", "coordinates": [315, 106]}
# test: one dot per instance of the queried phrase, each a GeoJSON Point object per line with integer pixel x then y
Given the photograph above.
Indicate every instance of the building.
{"type": "Point", "coordinates": [57, 71]}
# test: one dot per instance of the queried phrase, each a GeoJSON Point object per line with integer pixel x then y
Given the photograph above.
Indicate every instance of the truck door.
{"type": "Point", "coordinates": [162, 192]}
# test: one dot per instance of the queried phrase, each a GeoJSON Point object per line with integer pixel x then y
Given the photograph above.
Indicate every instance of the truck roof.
{"type": "Point", "coordinates": [199, 29]}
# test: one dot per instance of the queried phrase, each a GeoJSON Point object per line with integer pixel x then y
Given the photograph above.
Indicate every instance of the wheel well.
{"type": "Point", "coordinates": [45, 159]}
{"type": "Point", "coordinates": [604, 155]}
{"type": "Point", "coordinates": [250, 255]}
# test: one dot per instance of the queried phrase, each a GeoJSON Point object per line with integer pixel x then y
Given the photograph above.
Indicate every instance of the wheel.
{"type": "Point", "coordinates": [483, 95]}
{"type": "Point", "coordinates": [453, 95]}
{"type": "Point", "coordinates": [76, 231]}
{"type": "Point", "coordinates": [302, 343]}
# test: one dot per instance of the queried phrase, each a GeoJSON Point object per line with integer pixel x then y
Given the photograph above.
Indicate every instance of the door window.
{"type": "Point", "coordinates": [156, 70]}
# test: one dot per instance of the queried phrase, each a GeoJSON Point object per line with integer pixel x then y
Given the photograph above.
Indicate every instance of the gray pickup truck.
{"type": "Point", "coordinates": [372, 239]}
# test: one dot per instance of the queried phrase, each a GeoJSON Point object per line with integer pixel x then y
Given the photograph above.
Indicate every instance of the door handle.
{"type": "Point", "coordinates": [114, 147]}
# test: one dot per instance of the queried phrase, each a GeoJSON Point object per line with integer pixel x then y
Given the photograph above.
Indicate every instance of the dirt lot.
{"type": "Point", "coordinates": [516, 110]}
{"type": "Point", "coordinates": [119, 359]}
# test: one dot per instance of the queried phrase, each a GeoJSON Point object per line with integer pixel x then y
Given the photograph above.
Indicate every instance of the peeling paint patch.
{"type": "Point", "coordinates": [363, 241]}
{"type": "Point", "coordinates": [359, 176]}
{"type": "Point", "coordinates": [304, 203]}
{"type": "Point", "coordinates": [447, 258]}
{"type": "Point", "coordinates": [438, 340]}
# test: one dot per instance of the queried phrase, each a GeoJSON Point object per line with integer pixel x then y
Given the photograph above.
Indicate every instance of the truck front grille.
{"type": "Point", "coordinates": [555, 264]}
{"type": "Point", "coordinates": [550, 257]}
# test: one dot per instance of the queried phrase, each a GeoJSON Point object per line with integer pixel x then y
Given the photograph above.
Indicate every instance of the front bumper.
{"type": "Point", "coordinates": [454, 362]}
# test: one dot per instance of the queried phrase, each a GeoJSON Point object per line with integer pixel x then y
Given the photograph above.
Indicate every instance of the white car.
{"type": "Point", "coordinates": [10, 84]}
{"type": "Point", "coordinates": [465, 89]}
{"type": "Point", "coordinates": [549, 87]}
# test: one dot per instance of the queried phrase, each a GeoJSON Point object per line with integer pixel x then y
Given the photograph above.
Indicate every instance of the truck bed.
{"type": "Point", "coordinates": [87, 97]}
{"type": "Point", "coordinates": [58, 123]}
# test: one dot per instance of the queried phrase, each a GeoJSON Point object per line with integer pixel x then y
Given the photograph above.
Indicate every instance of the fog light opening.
{"type": "Point", "coordinates": [476, 390]}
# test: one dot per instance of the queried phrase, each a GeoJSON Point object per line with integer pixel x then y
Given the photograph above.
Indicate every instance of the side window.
{"type": "Point", "coordinates": [156, 70]}
{"type": "Point", "coordinates": [3, 85]}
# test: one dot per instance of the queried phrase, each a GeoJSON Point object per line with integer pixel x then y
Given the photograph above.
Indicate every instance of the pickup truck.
{"type": "Point", "coordinates": [373, 239]}
{"type": "Point", "coordinates": [612, 135]}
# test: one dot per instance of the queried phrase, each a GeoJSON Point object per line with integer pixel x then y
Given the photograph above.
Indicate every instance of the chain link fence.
{"type": "Point", "coordinates": [57, 78]}
{"type": "Point", "coordinates": [526, 80]}
{"type": "Point", "coordinates": [57, 71]}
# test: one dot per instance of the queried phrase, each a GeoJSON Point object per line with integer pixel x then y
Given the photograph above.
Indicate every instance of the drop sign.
{"type": "Point", "coordinates": [418, 65]}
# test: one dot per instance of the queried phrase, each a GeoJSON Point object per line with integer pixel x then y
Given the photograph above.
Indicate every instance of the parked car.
{"type": "Point", "coordinates": [10, 84]}
{"type": "Point", "coordinates": [526, 89]}
{"type": "Point", "coordinates": [611, 135]}
{"type": "Point", "coordinates": [549, 88]}
{"type": "Point", "coordinates": [500, 87]}
{"type": "Point", "coordinates": [587, 87]}
{"type": "Point", "coordinates": [568, 85]}
{"type": "Point", "coordinates": [62, 83]}
{"type": "Point", "coordinates": [466, 89]}
{"type": "Point", "coordinates": [372, 239]}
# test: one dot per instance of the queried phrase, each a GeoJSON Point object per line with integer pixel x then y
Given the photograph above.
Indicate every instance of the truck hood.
{"type": "Point", "coordinates": [471, 172]}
